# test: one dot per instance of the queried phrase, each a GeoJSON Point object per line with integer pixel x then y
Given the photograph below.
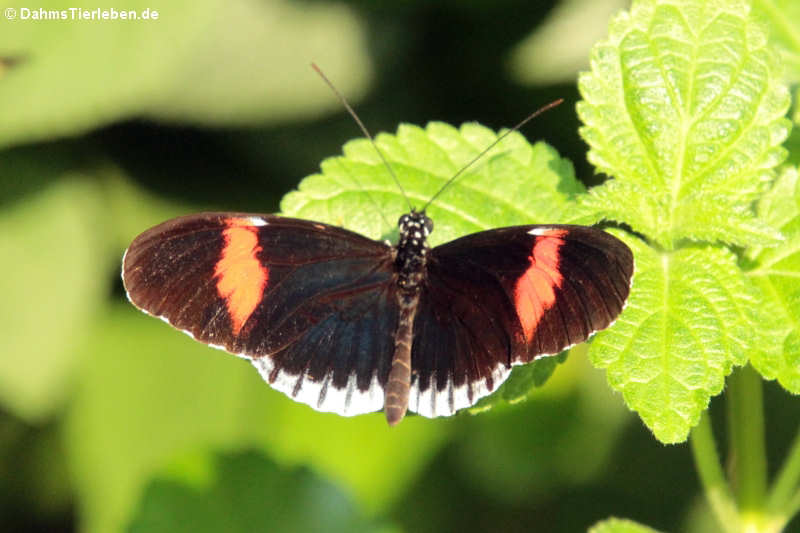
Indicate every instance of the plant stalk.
{"type": "Point", "coordinates": [784, 499]}
{"type": "Point", "coordinates": [718, 493]}
{"type": "Point", "coordinates": [746, 432]}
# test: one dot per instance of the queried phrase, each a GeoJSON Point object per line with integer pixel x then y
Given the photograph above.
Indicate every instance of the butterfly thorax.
{"type": "Point", "coordinates": [412, 250]}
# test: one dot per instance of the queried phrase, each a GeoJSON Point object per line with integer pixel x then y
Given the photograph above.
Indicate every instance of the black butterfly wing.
{"type": "Point", "coordinates": [503, 297]}
{"type": "Point", "coordinates": [313, 306]}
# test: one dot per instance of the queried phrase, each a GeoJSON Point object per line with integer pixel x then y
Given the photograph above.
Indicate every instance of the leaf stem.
{"type": "Point", "coordinates": [746, 433]}
{"type": "Point", "coordinates": [793, 506]}
{"type": "Point", "coordinates": [718, 493]}
{"type": "Point", "coordinates": [784, 498]}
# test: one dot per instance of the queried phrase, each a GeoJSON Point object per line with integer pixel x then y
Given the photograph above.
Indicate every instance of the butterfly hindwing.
{"type": "Point", "coordinates": [336, 347]}
{"type": "Point", "coordinates": [463, 336]}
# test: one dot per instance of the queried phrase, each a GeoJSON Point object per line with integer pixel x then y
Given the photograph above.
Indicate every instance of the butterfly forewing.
{"type": "Point", "coordinates": [312, 305]}
{"type": "Point", "coordinates": [507, 296]}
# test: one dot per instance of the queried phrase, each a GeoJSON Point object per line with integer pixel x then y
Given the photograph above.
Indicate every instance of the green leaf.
{"type": "Point", "coordinates": [684, 106]}
{"type": "Point", "coordinates": [620, 525]}
{"type": "Point", "coordinates": [526, 377]}
{"type": "Point", "coordinates": [247, 492]}
{"type": "Point", "coordinates": [796, 116]}
{"type": "Point", "coordinates": [205, 61]}
{"type": "Point", "coordinates": [516, 183]}
{"type": "Point", "coordinates": [52, 276]}
{"type": "Point", "coordinates": [776, 273]}
{"type": "Point", "coordinates": [521, 382]}
{"type": "Point", "coordinates": [783, 21]}
{"type": "Point", "coordinates": [792, 143]}
{"type": "Point", "coordinates": [689, 319]}
{"type": "Point", "coordinates": [148, 393]}
{"type": "Point", "coordinates": [780, 206]}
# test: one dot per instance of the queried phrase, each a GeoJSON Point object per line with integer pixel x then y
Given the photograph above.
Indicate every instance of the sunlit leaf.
{"type": "Point", "coordinates": [783, 22]}
{"type": "Point", "coordinates": [516, 183]}
{"type": "Point", "coordinates": [685, 107]}
{"type": "Point", "coordinates": [687, 322]}
{"type": "Point", "coordinates": [776, 273]}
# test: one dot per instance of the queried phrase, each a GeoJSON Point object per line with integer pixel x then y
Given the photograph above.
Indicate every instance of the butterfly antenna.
{"type": "Point", "coordinates": [364, 130]}
{"type": "Point", "coordinates": [527, 119]}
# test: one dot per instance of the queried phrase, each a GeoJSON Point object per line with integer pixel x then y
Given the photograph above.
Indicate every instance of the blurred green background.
{"type": "Point", "coordinates": [111, 421]}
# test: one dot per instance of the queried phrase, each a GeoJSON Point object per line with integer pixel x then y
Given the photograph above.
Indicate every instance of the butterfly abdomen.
{"type": "Point", "coordinates": [412, 250]}
{"type": "Point", "coordinates": [399, 382]}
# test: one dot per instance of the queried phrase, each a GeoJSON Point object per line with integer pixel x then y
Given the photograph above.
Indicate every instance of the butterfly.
{"type": "Point", "coordinates": [352, 325]}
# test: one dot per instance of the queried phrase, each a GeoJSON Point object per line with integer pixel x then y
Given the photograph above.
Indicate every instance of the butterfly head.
{"type": "Point", "coordinates": [415, 221]}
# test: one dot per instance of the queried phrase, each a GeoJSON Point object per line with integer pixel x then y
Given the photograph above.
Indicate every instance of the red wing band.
{"type": "Point", "coordinates": [241, 278]}
{"type": "Point", "coordinates": [534, 292]}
